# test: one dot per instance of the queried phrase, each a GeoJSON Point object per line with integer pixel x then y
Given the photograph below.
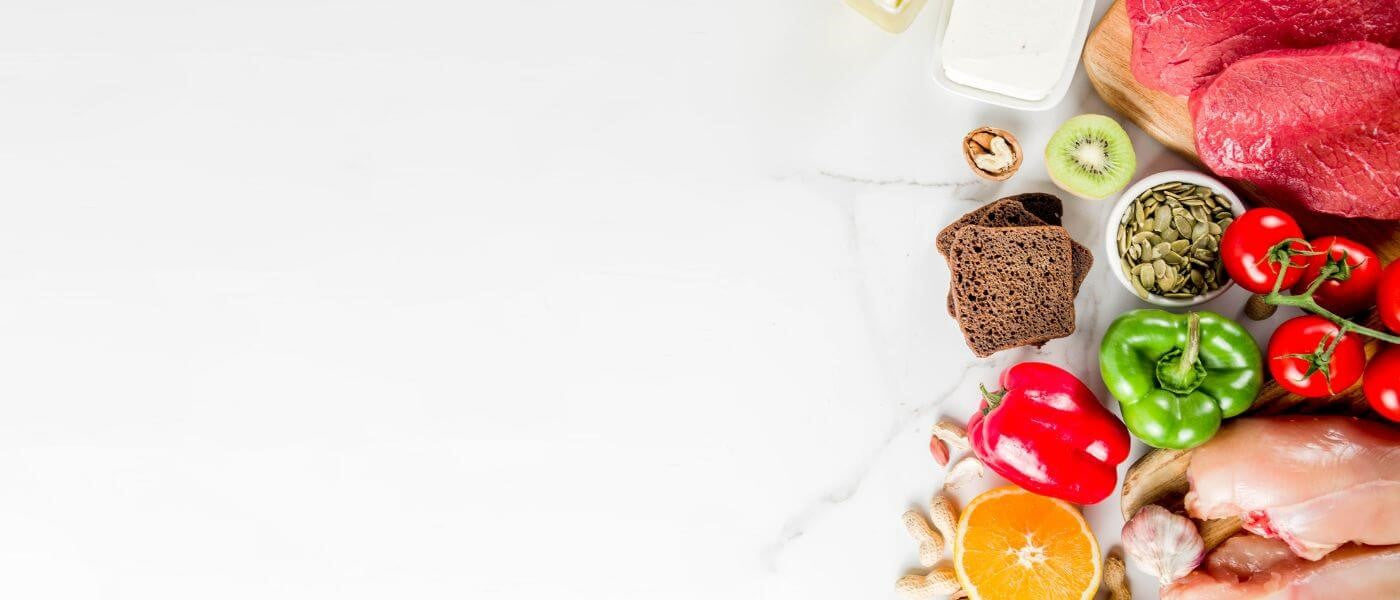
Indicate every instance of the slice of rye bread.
{"type": "Point", "coordinates": [1082, 258]}
{"type": "Point", "coordinates": [1012, 286]}
{"type": "Point", "coordinates": [1043, 206]}
{"type": "Point", "coordinates": [1010, 212]}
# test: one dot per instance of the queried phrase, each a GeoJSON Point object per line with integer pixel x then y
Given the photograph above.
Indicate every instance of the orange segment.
{"type": "Point", "coordinates": [1015, 545]}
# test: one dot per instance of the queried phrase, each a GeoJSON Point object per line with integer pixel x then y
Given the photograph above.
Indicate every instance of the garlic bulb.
{"type": "Point", "coordinates": [1163, 543]}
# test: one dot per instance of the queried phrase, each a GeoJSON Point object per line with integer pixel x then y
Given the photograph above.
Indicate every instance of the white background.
{"type": "Point", "coordinates": [413, 299]}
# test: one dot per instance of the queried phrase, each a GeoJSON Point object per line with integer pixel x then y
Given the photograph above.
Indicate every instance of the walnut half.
{"type": "Point", "coordinates": [992, 153]}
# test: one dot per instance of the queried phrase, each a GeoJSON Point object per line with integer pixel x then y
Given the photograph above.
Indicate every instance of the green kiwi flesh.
{"type": "Point", "coordinates": [1090, 156]}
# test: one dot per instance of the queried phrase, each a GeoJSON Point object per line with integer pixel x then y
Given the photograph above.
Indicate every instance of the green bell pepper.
{"type": "Point", "coordinates": [1178, 375]}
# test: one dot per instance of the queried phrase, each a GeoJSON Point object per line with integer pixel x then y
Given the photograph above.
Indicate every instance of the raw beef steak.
{"type": "Point", "coordinates": [1179, 45]}
{"type": "Point", "coordinates": [1319, 127]}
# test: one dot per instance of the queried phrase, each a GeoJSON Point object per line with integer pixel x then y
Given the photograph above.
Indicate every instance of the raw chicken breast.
{"type": "Point", "coordinates": [1248, 567]}
{"type": "Point", "coordinates": [1314, 482]}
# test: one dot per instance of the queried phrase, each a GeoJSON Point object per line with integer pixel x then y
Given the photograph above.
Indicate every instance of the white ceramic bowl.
{"type": "Point", "coordinates": [1116, 215]}
{"type": "Point", "coordinates": [1081, 32]}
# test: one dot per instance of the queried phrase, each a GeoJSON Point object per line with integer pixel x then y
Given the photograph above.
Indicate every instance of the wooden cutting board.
{"type": "Point", "coordinates": [1160, 476]}
{"type": "Point", "coordinates": [1165, 117]}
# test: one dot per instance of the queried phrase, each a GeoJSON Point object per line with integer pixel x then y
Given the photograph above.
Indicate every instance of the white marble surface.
{"type": "Point", "coordinates": [431, 299]}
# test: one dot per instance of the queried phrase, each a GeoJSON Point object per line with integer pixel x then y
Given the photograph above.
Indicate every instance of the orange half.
{"type": "Point", "coordinates": [1015, 545]}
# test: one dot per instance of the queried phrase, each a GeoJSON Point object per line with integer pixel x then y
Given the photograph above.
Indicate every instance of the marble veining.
{"type": "Point", "coordinates": [498, 300]}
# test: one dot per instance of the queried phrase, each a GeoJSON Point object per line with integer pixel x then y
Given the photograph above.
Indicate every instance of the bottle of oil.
{"type": "Point", "coordinates": [893, 16]}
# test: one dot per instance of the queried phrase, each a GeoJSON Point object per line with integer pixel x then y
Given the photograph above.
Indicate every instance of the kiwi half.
{"type": "Point", "coordinates": [1090, 156]}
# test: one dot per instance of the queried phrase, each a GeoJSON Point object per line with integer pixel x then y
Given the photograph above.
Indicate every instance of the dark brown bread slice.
{"type": "Point", "coordinates": [1008, 212]}
{"type": "Point", "coordinates": [1014, 214]}
{"type": "Point", "coordinates": [1013, 286]}
{"type": "Point", "coordinates": [1083, 260]}
{"type": "Point", "coordinates": [1043, 206]}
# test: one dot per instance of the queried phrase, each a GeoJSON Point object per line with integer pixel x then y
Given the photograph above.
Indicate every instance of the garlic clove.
{"type": "Point", "coordinates": [1162, 543]}
{"type": "Point", "coordinates": [946, 435]}
{"type": "Point", "coordinates": [965, 471]}
{"type": "Point", "coordinates": [952, 434]}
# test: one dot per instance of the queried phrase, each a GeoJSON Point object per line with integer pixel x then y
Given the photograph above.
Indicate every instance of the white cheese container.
{"type": "Point", "coordinates": [1016, 53]}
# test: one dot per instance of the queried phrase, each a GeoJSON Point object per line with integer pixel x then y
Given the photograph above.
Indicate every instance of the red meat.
{"type": "Point", "coordinates": [1319, 127]}
{"type": "Point", "coordinates": [1179, 45]}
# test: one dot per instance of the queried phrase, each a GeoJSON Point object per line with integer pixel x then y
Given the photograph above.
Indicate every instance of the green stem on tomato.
{"type": "Point", "coordinates": [1306, 302]}
{"type": "Point", "coordinates": [1322, 276]}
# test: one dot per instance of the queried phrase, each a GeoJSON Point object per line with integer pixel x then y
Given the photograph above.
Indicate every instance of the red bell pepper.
{"type": "Point", "coordinates": [1048, 433]}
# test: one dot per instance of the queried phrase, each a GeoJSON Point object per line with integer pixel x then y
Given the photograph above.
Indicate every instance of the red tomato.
{"type": "Point", "coordinates": [1382, 383]}
{"type": "Point", "coordinates": [1388, 297]}
{"type": "Point", "coordinates": [1245, 246]}
{"type": "Point", "coordinates": [1303, 336]}
{"type": "Point", "coordinates": [1355, 293]}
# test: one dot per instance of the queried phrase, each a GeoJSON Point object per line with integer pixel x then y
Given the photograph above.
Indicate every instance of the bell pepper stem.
{"type": "Point", "coordinates": [993, 399]}
{"type": "Point", "coordinates": [1193, 346]}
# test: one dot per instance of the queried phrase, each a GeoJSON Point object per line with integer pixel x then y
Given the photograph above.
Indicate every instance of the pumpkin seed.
{"type": "Point", "coordinates": [1169, 238]}
{"type": "Point", "coordinates": [1137, 287]}
{"type": "Point", "coordinates": [1146, 276]}
{"type": "Point", "coordinates": [1184, 224]}
{"type": "Point", "coordinates": [1199, 230]}
{"type": "Point", "coordinates": [1164, 214]}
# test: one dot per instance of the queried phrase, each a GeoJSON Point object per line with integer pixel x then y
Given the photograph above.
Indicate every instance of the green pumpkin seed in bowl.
{"type": "Point", "coordinates": [1165, 234]}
